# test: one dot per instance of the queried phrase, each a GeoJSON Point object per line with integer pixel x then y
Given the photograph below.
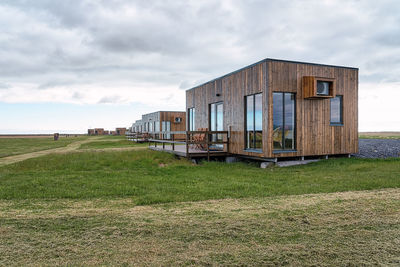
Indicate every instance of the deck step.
{"type": "Point", "coordinates": [295, 162]}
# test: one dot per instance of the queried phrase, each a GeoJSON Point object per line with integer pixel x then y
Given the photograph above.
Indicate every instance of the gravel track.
{"type": "Point", "coordinates": [378, 148]}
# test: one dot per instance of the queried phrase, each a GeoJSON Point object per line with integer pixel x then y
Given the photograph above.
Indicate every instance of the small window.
{"type": "Point", "coordinates": [337, 110]}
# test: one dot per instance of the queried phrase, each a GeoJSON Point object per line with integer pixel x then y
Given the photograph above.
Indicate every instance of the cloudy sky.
{"type": "Point", "coordinates": [71, 65]}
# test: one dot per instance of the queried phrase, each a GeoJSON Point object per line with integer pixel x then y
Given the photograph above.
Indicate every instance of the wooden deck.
{"type": "Point", "coordinates": [180, 150]}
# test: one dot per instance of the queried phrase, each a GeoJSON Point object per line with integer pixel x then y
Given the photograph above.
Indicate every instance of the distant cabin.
{"type": "Point", "coordinates": [161, 121]}
{"type": "Point", "coordinates": [277, 108]}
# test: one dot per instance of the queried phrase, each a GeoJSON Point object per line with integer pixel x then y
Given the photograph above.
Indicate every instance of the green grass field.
{"type": "Point", "coordinates": [379, 135]}
{"type": "Point", "coordinates": [153, 177]}
{"type": "Point", "coordinates": [111, 143]}
{"type": "Point", "coordinates": [142, 207]}
{"type": "Point", "coordinates": [16, 146]}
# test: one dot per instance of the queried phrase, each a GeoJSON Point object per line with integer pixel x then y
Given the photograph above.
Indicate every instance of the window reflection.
{"type": "Point", "coordinates": [284, 130]}
{"type": "Point", "coordinates": [254, 121]}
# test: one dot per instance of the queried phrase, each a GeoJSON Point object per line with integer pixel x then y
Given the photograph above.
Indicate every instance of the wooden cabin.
{"type": "Point", "coordinates": [99, 131]}
{"type": "Point", "coordinates": [277, 108]}
{"type": "Point", "coordinates": [90, 131]}
{"type": "Point", "coordinates": [159, 124]}
{"type": "Point", "coordinates": [120, 131]}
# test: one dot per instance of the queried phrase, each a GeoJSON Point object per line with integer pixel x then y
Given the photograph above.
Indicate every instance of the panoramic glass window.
{"type": "Point", "coordinates": [166, 128]}
{"type": "Point", "coordinates": [284, 127]}
{"type": "Point", "coordinates": [217, 121]}
{"type": "Point", "coordinates": [191, 117]}
{"type": "Point", "coordinates": [157, 129]}
{"type": "Point", "coordinates": [253, 121]}
{"type": "Point", "coordinates": [336, 110]}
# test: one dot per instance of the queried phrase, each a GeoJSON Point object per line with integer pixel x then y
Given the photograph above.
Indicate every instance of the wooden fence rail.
{"type": "Point", "coordinates": [201, 140]}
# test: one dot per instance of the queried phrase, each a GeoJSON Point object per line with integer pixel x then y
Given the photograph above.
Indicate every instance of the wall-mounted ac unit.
{"type": "Point", "coordinates": [178, 120]}
{"type": "Point", "coordinates": [318, 87]}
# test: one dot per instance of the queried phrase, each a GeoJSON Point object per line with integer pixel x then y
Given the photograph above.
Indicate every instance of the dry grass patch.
{"type": "Point", "coordinates": [350, 228]}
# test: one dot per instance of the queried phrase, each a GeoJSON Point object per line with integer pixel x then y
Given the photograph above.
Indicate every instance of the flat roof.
{"type": "Point", "coordinates": [271, 59]}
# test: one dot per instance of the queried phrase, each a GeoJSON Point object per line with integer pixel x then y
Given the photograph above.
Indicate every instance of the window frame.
{"type": "Point", "coordinates": [284, 150]}
{"type": "Point", "coordinates": [253, 147]}
{"type": "Point", "coordinates": [340, 110]}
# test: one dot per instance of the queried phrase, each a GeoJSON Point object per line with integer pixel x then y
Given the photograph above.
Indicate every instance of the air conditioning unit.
{"type": "Point", "coordinates": [178, 120]}
{"type": "Point", "coordinates": [323, 88]}
{"type": "Point", "coordinates": [318, 87]}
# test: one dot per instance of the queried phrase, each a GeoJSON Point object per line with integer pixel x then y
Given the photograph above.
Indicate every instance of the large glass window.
{"type": "Point", "coordinates": [217, 122]}
{"type": "Point", "coordinates": [191, 119]}
{"type": "Point", "coordinates": [254, 121]}
{"type": "Point", "coordinates": [157, 129]}
{"type": "Point", "coordinates": [166, 129]}
{"type": "Point", "coordinates": [284, 127]}
{"type": "Point", "coordinates": [336, 110]}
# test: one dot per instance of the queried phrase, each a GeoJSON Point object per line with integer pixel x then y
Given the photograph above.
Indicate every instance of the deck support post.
{"type": "Point", "coordinates": [187, 144]}
{"type": "Point", "coordinates": [326, 156]}
{"type": "Point", "coordinates": [208, 145]}
{"type": "Point", "coordinates": [228, 137]}
{"type": "Point", "coordinates": [173, 140]}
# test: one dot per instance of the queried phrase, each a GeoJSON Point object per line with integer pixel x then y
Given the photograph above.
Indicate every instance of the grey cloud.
{"type": "Point", "coordinates": [77, 95]}
{"type": "Point", "coordinates": [183, 43]}
{"type": "Point", "coordinates": [114, 99]}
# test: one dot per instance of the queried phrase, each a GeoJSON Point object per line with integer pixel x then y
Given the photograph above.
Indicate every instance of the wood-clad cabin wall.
{"type": "Point", "coordinates": [232, 89]}
{"type": "Point", "coordinates": [170, 116]}
{"type": "Point", "coordinates": [315, 135]}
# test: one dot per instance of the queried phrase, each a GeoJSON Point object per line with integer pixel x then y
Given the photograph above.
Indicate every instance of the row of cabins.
{"type": "Point", "coordinates": [158, 125]}
{"type": "Point", "coordinates": [269, 110]}
{"type": "Point", "coordinates": [101, 131]}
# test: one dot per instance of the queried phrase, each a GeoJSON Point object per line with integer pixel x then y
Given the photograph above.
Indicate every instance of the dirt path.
{"type": "Point", "coordinates": [69, 148]}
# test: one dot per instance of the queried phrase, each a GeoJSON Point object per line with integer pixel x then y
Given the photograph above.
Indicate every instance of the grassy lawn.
{"type": "Point", "coordinates": [16, 146]}
{"type": "Point", "coordinates": [338, 229]}
{"type": "Point", "coordinates": [149, 208]}
{"type": "Point", "coordinates": [111, 143]}
{"type": "Point", "coordinates": [150, 177]}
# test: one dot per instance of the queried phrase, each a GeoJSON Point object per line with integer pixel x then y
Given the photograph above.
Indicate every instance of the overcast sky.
{"type": "Point", "coordinates": [71, 65]}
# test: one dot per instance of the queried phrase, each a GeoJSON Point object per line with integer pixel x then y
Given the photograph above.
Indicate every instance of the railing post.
{"type": "Point", "coordinates": [208, 145]}
{"type": "Point", "coordinates": [173, 144]}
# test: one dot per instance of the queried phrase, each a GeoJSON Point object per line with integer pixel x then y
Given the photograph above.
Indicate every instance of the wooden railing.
{"type": "Point", "coordinates": [207, 141]}
{"type": "Point", "coordinates": [137, 136]}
